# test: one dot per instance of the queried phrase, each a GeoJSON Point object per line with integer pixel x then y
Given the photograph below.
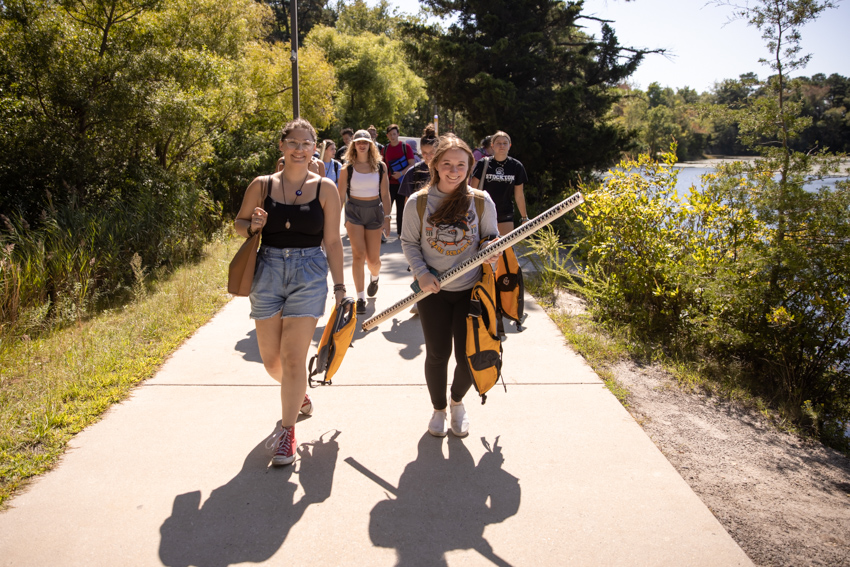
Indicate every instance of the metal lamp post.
{"type": "Point", "coordinates": [296, 111]}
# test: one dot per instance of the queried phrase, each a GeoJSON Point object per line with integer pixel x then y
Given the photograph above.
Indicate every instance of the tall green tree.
{"type": "Point", "coordinates": [526, 67]}
{"type": "Point", "coordinates": [356, 17]}
{"type": "Point", "coordinates": [375, 84]}
{"type": "Point", "coordinates": [123, 121]}
{"type": "Point", "coordinates": [311, 13]}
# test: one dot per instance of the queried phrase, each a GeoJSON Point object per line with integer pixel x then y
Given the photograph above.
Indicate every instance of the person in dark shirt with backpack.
{"type": "Point", "coordinates": [420, 174]}
{"type": "Point", "coordinates": [504, 181]}
{"type": "Point", "coordinates": [346, 134]}
{"type": "Point", "coordinates": [399, 159]}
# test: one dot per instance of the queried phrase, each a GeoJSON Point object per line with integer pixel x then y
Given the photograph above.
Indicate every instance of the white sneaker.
{"type": "Point", "coordinates": [460, 423]}
{"type": "Point", "coordinates": [437, 425]}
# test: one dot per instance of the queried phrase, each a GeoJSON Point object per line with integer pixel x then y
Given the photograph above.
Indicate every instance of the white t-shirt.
{"type": "Point", "coordinates": [364, 185]}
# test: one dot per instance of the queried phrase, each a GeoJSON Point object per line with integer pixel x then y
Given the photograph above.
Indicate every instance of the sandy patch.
{"type": "Point", "coordinates": [785, 500]}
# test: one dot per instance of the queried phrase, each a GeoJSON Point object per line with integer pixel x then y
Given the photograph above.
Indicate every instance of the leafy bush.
{"type": "Point", "coordinates": [633, 242]}
{"type": "Point", "coordinates": [749, 268]}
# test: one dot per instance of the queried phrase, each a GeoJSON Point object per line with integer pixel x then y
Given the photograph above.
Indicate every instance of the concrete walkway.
{"type": "Point", "coordinates": [554, 472]}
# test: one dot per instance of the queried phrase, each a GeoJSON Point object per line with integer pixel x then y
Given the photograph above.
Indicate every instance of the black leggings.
{"type": "Point", "coordinates": [399, 206]}
{"type": "Point", "coordinates": [443, 317]}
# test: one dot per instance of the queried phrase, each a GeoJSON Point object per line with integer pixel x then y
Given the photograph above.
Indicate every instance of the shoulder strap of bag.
{"type": "Point", "coordinates": [484, 173]}
{"type": "Point", "coordinates": [422, 204]}
{"type": "Point", "coordinates": [267, 189]}
{"type": "Point", "coordinates": [478, 195]}
{"type": "Point", "coordinates": [421, 197]}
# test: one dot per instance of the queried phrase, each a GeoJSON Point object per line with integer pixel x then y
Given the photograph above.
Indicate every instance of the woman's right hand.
{"type": "Point", "coordinates": [258, 219]}
{"type": "Point", "coordinates": [429, 283]}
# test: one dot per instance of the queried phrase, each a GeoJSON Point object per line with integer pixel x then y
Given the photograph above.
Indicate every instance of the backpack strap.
{"type": "Point", "coordinates": [349, 169]}
{"type": "Point", "coordinates": [421, 197]}
{"type": "Point", "coordinates": [478, 195]}
{"type": "Point", "coordinates": [422, 204]}
{"type": "Point", "coordinates": [484, 173]}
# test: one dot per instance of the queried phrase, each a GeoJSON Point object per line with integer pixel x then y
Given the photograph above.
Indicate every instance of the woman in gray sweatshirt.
{"type": "Point", "coordinates": [453, 229]}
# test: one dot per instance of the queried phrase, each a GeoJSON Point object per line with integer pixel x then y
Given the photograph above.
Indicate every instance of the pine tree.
{"type": "Point", "coordinates": [525, 67]}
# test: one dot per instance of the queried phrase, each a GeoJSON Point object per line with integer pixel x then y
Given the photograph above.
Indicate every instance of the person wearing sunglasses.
{"type": "Point", "coordinates": [297, 213]}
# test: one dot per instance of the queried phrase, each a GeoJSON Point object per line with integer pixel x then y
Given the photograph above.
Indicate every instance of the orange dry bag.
{"type": "Point", "coordinates": [335, 342]}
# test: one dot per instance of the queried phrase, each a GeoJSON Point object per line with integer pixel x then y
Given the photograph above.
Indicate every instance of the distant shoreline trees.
{"type": "Point", "coordinates": [660, 115]}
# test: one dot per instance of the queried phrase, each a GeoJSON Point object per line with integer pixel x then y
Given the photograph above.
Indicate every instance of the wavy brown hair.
{"type": "Point", "coordinates": [297, 123]}
{"type": "Point", "coordinates": [455, 207]}
{"type": "Point", "coordinates": [374, 155]}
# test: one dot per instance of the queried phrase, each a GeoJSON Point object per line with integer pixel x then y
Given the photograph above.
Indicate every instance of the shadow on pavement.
{"type": "Point", "coordinates": [247, 519]}
{"type": "Point", "coordinates": [249, 348]}
{"type": "Point", "coordinates": [407, 332]}
{"type": "Point", "coordinates": [442, 504]}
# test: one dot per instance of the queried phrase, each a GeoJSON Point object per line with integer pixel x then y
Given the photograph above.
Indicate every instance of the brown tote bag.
{"type": "Point", "coordinates": [241, 273]}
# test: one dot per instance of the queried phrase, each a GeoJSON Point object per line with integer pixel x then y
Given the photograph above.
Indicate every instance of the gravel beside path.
{"type": "Point", "coordinates": [785, 500]}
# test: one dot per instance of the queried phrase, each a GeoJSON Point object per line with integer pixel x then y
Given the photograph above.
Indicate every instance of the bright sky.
{"type": "Point", "coordinates": [702, 47]}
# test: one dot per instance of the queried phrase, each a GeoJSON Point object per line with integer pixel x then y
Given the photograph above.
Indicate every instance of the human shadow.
{"type": "Point", "coordinates": [442, 504]}
{"type": "Point", "coordinates": [249, 348]}
{"type": "Point", "coordinates": [407, 332]}
{"type": "Point", "coordinates": [247, 519]}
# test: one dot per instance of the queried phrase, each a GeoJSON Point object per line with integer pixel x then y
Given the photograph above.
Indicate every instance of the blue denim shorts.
{"type": "Point", "coordinates": [293, 281]}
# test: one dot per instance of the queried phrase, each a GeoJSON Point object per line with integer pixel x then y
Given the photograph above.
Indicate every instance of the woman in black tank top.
{"type": "Point", "coordinates": [298, 213]}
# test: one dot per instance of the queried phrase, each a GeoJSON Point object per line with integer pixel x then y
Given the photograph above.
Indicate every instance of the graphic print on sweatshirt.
{"type": "Point", "coordinates": [452, 239]}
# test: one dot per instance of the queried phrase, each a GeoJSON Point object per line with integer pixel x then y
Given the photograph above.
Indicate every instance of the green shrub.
{"type": "Point", "coordinates": [750, 269]}
{"type": "Point", "coordinates": [632, 245]}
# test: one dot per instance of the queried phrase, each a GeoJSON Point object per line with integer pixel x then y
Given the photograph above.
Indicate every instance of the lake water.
{"type": "Point", "coordinates": [690, 173]}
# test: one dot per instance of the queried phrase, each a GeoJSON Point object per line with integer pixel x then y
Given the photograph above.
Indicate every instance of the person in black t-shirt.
{"type": "Point", "coordinates": [504, 181]}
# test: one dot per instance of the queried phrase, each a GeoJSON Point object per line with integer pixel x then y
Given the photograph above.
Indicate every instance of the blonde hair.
{"type": "Point", "coordinates": [455, 206]}
{"type": "Point", "coordinates": [351, 155]}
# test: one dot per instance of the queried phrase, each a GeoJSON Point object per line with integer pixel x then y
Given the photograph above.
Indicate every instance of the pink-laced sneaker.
{"type": "Point", "coordinates": [284, 452]}
{"type": "Point", "coordinates": [307, 405]}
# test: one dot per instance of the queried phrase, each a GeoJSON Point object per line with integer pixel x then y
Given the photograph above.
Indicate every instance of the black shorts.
{"type": "Point", "coordinates": [505, 216]}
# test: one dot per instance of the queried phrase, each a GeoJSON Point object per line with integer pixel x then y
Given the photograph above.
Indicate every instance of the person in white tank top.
{"type": "Point", "coordinates": [366, 197]}
{"type": "Point", "coordinates": [364, 185]}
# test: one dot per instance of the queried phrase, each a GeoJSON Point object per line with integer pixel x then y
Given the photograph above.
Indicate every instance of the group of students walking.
{"type": "Point", "coordinates": [298, 211]}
